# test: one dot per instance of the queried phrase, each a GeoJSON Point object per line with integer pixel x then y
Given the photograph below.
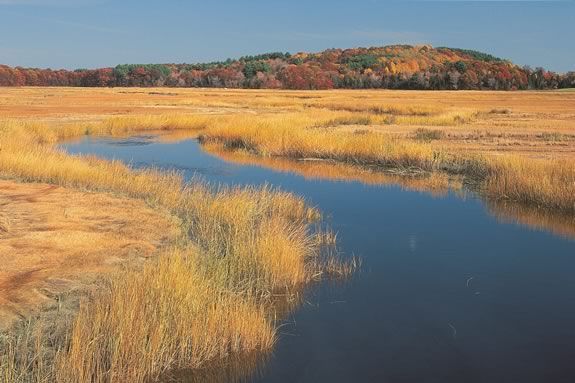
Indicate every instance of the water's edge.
{"type": "Point", "coordinates": [453, 289]}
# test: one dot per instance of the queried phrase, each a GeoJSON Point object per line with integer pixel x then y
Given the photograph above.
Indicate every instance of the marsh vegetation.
{"type": "Point", "coordinates": [211, 289]}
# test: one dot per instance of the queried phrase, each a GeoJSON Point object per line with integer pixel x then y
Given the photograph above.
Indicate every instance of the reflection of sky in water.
{"type": "Point", "coordinates": [412, 243]}
{"type": "Point", "coordinates": [513, 320]}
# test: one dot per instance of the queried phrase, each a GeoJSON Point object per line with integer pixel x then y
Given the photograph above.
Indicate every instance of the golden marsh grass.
{"type": "Point", "coordinates": [250, 244]}
{"type": "Point", "coordinates": [210, 292]}
{"type": "Point", "coordinates": [189, 319]}
{"type": "Point", "coordinates": [544, 182]}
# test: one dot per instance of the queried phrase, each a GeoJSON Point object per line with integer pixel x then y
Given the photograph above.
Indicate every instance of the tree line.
{"type": "Point", "coordinates": [391, 67]}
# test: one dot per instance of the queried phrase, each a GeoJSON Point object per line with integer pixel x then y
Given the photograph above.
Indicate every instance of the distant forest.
{"type": "Point", "coordinates": [390, 67]}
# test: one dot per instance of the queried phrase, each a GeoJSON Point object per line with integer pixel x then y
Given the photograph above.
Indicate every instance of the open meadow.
{"type": "Point", "coordinates": [80, 235]}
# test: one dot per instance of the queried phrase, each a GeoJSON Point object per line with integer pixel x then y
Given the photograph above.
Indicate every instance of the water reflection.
{"type": "Point", "coordinates": [536, 218]}
{"type": "Point", "coordinates": [435, 184]}
{"type": "Point", "coordinates": [234, 369]}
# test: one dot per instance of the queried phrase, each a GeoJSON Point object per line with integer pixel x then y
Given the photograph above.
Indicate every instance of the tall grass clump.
{"type": "Point", "coordinates": [292, 137]}
{"type": "Point", "coordinates": [27, 132]}
{"type": "Point", "coordinates": [28, 158]}
{"type": "Point", "coordinates": [260, 237]}
{"type": "Point", "coordinates": [427, 135]}
{"type": "Point", "coordinates": [544, 183]}
{"type": "Point", "coordinates": [169, 315]}
{"type": "Point", "coordinates": [444, 119]}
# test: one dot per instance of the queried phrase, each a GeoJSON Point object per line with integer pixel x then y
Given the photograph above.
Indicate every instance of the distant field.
{"type": "Point", "coordinates": [535, 124]}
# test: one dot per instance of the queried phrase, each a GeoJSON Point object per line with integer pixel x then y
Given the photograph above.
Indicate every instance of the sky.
{"type": "Point", "coordinates": [101, 33]}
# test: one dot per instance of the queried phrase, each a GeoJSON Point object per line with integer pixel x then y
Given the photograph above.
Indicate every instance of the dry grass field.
{"type": "Point", "coordinates": [536, 124]}
{"type": "Point", "coordinates": [54, 235]}
{"type": "Point", "coordinates": [220, 255]}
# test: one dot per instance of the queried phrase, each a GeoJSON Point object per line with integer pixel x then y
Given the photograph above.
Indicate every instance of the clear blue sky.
{"type": "Point", "coordinates": [98, 33]}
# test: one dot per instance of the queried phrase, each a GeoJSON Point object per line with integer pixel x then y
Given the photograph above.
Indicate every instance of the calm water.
{"type": "Point", "coordinates": [447, 293]}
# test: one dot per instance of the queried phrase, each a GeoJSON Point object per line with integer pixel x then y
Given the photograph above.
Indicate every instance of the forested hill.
{"type": "Point", "coordinates": [392, 67]}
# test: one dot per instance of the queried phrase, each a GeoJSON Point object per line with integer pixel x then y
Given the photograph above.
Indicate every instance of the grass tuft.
{"type": "Point", "coordinates": [427, 135]}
